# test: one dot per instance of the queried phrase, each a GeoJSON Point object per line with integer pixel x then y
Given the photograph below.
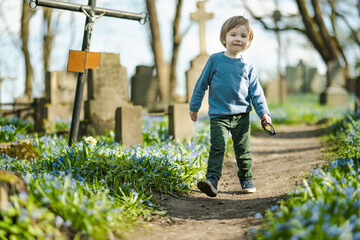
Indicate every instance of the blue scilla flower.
{"type": "Point", "coordinates": [8, 128]}
{"type": "Point", "coordinates": [134, 192]}
{"type": "Point", "coordinates": [258, 216]}
{"type": "Point", "coordinates": [274, 208]}
{"type": "Point", "coordinates": [356, 204]}
{"type": "Point", "coordinates": [59, 221]}
{"type": "Point", "coordinates": [349, 191]}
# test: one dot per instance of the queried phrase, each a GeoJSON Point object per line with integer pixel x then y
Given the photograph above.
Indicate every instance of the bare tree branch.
{"type": "Point", "coordinates": [272, 28]}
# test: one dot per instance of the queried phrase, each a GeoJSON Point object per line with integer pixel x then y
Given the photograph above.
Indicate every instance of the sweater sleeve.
{"type": "Point", "coordinates": [201, 86]}
{"type": "Point", "coordinates": [256, 93]}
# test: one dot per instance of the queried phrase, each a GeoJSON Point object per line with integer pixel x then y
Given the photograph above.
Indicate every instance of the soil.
{"type": "Point", "coordinates": [280, 163]}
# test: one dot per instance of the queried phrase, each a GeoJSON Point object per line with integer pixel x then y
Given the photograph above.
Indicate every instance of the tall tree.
{"type": "Point", "coordinates": [168, 81]}
{"type": "Point", "coordinates": [177, 37]}
{"type": "Point", "coordinates": [26, 15]}
{"type": "Point", "coordinates": [323, 37]}
{"type": "Point", "coordinates": [156, 44]}
{"type": "Point", "coordinates": [48, 37]}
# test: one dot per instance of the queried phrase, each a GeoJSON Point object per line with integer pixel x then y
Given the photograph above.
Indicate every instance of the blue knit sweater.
{"type": "Point", "coordinates": [233, 84]}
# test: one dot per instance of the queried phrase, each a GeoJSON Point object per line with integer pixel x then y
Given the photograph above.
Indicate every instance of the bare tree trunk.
{"type": "Point", "coordinates": [156, 44]}
{"type": "Point", "coordinates": [317, 33]}
{"type": "Point", "coordinates": [175, 51]}
{"type": "Point", "coordinates": [48, 37]}
{"type": "Point", "coordinates": [26, 15]}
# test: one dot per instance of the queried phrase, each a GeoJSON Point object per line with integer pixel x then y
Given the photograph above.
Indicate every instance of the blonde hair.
{"type": "Point", "coordinates": [232, 23]}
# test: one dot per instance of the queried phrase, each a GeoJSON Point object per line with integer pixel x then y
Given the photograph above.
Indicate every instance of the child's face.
{"type": "Point", "coordinates": [237, 40]}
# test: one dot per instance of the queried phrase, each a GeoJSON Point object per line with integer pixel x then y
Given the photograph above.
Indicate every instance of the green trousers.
{"type": "Point", "coordinates": [239, 127]}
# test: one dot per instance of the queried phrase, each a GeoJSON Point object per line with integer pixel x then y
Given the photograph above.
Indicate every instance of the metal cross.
{"type": "Point", "coordinates": [92, 13]}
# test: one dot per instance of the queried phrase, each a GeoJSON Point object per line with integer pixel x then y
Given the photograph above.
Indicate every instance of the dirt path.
{"type": "Point", "coordinates": [279, 163]}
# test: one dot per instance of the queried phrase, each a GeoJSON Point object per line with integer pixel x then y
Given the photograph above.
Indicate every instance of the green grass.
{"type": "Point", "coordinates": [327, 206]}
{"type": "Point", "coordinates": [97, 187]}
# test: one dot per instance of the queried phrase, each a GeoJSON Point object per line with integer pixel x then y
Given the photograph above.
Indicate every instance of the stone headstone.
{"type": "Point", "coordinates": [275, 91]}
{"type": "Point", "coordinates": [303, 79]}
{"type": "Point", "coordinates": [180, 125]}
{"type": "Point", "coordinates": [295, 78]}
{"type": "Point", "coordinates": [128, 125]}
{"type": "Point", "coordinates": [107, 90]}
{"type": "Point", "coordinates": [144, 87]}
{"type": "Point", "coordinates": [314, 81]}
{"type": "Point", "coordinates": [192, 75]}
{"type": "Point", "coordinates": [198, 64]}
{"type": "Point", "coordinates": [60, 88]}
{"type": "Point", "coordinates": [22, 107]}
{"type": "Point", "coordinates": [335, 94]}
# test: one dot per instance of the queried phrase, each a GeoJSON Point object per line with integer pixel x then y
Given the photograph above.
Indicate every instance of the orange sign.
{"type": "Point", "coordinates": [81, 60]}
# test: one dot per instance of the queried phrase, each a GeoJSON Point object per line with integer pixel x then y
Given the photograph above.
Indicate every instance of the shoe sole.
{"type": "Point", "coordinates": [206, 187]}
{"type": "Point", "coordinates": [250, 190]}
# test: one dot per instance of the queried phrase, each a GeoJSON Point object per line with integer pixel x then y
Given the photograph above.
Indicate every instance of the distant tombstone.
{"type": "Point", "coordinates": [128, 125]}
{"type": "Point", "coordinates": [303, 79]}
{"type": "Point", "coordinates": [144, 87]}
{"type": "Point", "coordinates": [335, 94]}
{"type": "Point", "coordinates": [22, 107]}
{"type": "Point", "coordinates": [314, 81]}
{"type": "Point", "coordinates": [273, 90]}
{"type": "Point", "coordinates": [180, 125]}
{"type": "Point", "coordinates": [192, 75]}
{"type": "Point", "coordinates": [199, 62]}
{"type": "Point", "coordinates": [107, 90]}
{"type": "Point", "coordinates": [60, 87]}
{"type": "Point", "coordinates": [295, 78]}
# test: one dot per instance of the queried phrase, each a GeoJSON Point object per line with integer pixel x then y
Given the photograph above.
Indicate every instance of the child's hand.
{"type": "Point", "coordinates": [266, 120]}
{"type": "Point", "coordinates": [193, 116]}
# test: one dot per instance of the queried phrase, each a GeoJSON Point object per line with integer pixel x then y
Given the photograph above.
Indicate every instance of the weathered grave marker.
{"type": "Point", "coordinates": [336, 94]}
{"type": "Point", "coordinates": [59, 89]}
{"type": "Point", "coordinates": [144, 87]}
{"type": "Point", "coordinates": [92, 13]}
{"type": "Point", "coordinates": [180, 125]}
{"type": "Point", "coordinates": [128, 125]}
{"type": "Point", "coordinates": [107, 90]}
{"type": "Point", "coordinates": [199, 62]}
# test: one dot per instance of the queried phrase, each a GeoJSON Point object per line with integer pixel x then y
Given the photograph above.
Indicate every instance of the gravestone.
{"type": "Point", "coordinates": [303, 79]}
{"type": "Point", "coordinates": [92, 13]}
{"type": "Point", "coordinates": [274, 91]}
{"type": "Point", "coordinates": [128, 125]}
{"type": "Point", "coordinates": [335, 94]}
{"type": "Point", "coordinates": [197, 65]}
{"type": "Point", "coordinates": [21, 104]}
{"type": "Point", "coordinates": [295, 78]}
{"type": "Point", "coordinates": [192, 75]}
{"type": "Point", "coordinates": [60, 88]}
{"type": "Point", "coordinates": [180, 125]}
{"type": "Point", "coordinates": [314, 81]}
{"type": "Point", "coordinates": [107, 90]}
{"type": "Point", "coordinates": [144, 87]}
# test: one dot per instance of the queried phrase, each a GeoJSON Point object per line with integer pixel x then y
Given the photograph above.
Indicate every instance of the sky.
{"type": "Point", "coordinates": [132, 40]}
